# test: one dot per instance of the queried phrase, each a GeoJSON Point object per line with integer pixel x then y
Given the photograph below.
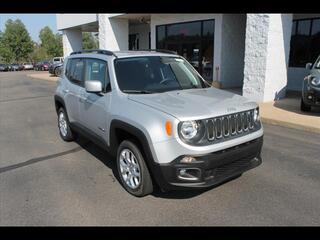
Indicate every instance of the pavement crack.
{"type": "Point", "coordinates": [22, 99]}
{"type": "Point", "coordinates": [39, 159]}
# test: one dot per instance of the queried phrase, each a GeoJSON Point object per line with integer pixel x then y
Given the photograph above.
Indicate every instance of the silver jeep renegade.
{"type": "Point", "coordinates": [165, 125]}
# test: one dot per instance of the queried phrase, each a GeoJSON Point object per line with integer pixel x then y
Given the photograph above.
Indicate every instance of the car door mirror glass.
{"type": "Point", "coordinates": [93, 86]}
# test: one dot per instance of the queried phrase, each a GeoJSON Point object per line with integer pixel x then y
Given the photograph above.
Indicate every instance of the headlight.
{"type": "Point", "coordinates": [192, 131]}
{"type": "Point", "coordinates": [256, 116]}
{"type": "Point", "coordinates": [315, 81]}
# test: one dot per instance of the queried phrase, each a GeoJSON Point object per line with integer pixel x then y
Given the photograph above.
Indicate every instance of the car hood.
{"type": "Point", "coordinates": [195, 103]}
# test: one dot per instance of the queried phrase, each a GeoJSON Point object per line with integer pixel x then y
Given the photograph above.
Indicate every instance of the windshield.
{"type": "Point", "coordinates": [156, 74]}
{"type": "Point", "coordinates": [317, 63]}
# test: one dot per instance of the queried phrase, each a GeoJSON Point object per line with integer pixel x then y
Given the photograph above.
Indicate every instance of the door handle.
{"type": "Point", "coordinates": [65, 90]}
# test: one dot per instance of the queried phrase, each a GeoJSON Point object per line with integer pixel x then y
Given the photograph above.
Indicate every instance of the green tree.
{"type": "Point", "coordinates": [15, 43]}
{"type": "Point", "coordinates": [89, 41]}
{"type": "Point", "coordinates": [39, 54]}
{"type": "Point", "coordinates": [51, 42]}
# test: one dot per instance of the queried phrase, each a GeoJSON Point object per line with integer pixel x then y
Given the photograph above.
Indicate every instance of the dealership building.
{"type": "Point", "coordinates": [264, 55]}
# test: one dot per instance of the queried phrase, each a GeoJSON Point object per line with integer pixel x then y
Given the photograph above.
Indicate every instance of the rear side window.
{"type": "Point", "coordinates": [97, 70]}
{"type": "Point", "coordinates": [74, 70]}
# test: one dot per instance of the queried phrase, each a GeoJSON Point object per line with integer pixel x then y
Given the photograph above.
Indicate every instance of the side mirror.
{"type": "Point", "coordinates": [93, 86]}
{"type": "Point", "coordinates": [308, 66]}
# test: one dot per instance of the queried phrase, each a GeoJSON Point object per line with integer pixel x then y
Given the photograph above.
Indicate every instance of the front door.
{"type": "Point", "coordinates": [134, 42]}
{"type": "Point", "coordinates": [94, 106]}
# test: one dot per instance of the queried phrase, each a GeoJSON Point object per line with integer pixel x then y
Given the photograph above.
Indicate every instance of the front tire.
{"type": "Point", "coordinates": [64, 126]}
{"type": "Point", "coordinates": [304, 107]}
{"type": "Point", "coordinates": [57, 71]}
{"type": "Point", "coordinates": [132, 170]}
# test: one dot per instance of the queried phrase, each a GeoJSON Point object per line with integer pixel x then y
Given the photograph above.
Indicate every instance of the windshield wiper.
{"type": "Point", "coordinates": [137, 91]}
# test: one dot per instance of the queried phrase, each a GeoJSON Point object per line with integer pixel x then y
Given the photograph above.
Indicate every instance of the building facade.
{"type": "Point", "coordinates": [262, 54]}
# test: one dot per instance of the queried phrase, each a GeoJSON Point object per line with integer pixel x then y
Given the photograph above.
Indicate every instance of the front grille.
{"type": "Point", "coordinates": [231, 125]}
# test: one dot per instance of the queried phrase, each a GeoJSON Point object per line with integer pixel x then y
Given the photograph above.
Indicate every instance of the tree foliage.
{"type": "Point", "coordinates": [15, 42]}
{"type": "Point", "coordinates": [39, 54]}
{"type": "Point", "coordinates": [89, 41]}
{"type": "Point", "coordinates": [52, 43]}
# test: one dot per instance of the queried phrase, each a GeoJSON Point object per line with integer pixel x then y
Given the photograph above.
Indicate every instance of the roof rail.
{"type": "Point", "coordinates": [158, 50]}
{"type": "Point", "coordinates": [100, 51]}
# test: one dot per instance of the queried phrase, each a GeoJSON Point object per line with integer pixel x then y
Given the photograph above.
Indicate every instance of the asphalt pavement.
{"type": "Point", "coordinates": [46, 181]}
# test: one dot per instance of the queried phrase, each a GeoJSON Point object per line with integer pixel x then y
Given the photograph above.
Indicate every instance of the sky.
{"type": "Point", "coordinates": [33, 22]}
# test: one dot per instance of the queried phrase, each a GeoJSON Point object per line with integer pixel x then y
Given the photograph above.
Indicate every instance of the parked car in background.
{"type": "Point", "coordinates": [311, 87]}
{"type": "Point", "coordinates": [4, 68]}
{"type": "Point", "coordinates": [56, 69]}
{"type": "Point", "coordinates": [57, 60]}
{"type": "Point", "coordinates": [27, 66]}
{"type": "Point", "coordinates": [15, 67]}
{"type": "Point", "coordinates": [42, 66]}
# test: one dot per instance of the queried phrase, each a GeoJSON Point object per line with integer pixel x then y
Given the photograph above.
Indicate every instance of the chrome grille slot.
{"type": "Point", "coordinates": [210, 129]}
{"type": "Point", "coordinates": [245, 121]}
{"type": "Point", "coordinates": [225, 123]}
{"type": "Point", "coordinates": [239, 123]}
{"type": "Point", "coordinates": [218, 127]}
{"type": "Point", "coordinates": [251, 122]}
{"type": "Point", "coordinates": [229, 126]}
{"type": "Point", "coordinates": [233, 124]}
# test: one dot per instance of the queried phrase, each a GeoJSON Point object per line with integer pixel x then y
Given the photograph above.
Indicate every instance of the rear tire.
{"type": "Point", "coordinates": [64, 126]}
{"type": "Point", "coordinates": [132, 170]}
{"type": "Point", "coordinates": [304, 107]}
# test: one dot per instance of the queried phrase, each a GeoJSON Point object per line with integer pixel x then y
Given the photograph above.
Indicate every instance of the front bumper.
{"type": "Point", "coordinates": [311, 96]}
{"type": "Point", "coordinates": [213, 168]}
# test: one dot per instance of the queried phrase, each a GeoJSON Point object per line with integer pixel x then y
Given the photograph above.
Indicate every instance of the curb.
{"type": "Point", "coordinates": [290, 125]}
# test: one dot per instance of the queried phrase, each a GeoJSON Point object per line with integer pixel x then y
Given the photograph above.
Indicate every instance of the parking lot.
{"type": "Point", "coordinates": [45, 181]}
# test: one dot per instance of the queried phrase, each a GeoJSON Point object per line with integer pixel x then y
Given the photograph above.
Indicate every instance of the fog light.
{"type": "Point", "coordinates": [188, 159]}
{"type": "Point", "coordinates": [192, 174]}
{"type": "Point", "coordinates": [310, 97]}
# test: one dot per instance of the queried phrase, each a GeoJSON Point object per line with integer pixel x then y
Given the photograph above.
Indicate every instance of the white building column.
{"type": "Point", "coordinates": [113, 33]}
{"type": "Point", "coordinates": [72, 41]}
{"type": "Point", "coordinates": [267, 47]}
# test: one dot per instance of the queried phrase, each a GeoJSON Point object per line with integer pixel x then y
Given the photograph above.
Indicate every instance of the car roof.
{"type": "Point", "coordinates": [121, 54]}
{"type": "Point", "coordinates": [124, 54]}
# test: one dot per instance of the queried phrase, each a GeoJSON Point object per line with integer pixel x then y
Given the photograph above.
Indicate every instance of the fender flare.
{"type": "Point", "coordinates": [153, 167]}
{"type": "Point", "coordinates": [58, 99]}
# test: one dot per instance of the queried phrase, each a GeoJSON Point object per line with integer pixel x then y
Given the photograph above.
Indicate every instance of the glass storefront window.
{"type": "Point", "coordinates": [305, 42]}
{"type": "Point", "coordinates": [161, 34]}
{"type": "Point", "coordinates": [192, 40]}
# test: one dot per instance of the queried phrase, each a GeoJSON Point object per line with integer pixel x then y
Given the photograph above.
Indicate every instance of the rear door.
{"type": "Point", "coordinates": [94, 107]}
{"type": "Point", "coordinates": [74, 74]}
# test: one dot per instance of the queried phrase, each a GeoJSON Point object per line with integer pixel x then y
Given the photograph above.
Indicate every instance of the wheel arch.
{"type": "Point", "coordinates": [120, 131]}
{"type": "Point", "coordinates": [59, 102]}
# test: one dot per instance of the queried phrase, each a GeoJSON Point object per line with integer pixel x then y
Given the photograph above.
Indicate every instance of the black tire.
{"type": "Point", "coordinates": [57, 71]}
{"type": "Point", "coordinates": [70, 135]}
{"type": "Point", "coordinates": [304, 107]}
{"type": "Point", "coordinates": [145, 186]}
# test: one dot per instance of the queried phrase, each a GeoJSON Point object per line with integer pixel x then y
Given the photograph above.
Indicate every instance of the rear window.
{"type": "Point", "coordinates": [74, 70]}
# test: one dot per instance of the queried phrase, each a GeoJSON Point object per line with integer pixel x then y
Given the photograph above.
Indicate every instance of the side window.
{"type": "Point", "coordinates": [97, 70]}
{"type": "Point", "coordinates": [74, 70]}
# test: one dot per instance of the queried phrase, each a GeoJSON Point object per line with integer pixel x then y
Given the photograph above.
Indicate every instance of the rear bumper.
{"type": "Point", "coordinates": [213, 168]}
